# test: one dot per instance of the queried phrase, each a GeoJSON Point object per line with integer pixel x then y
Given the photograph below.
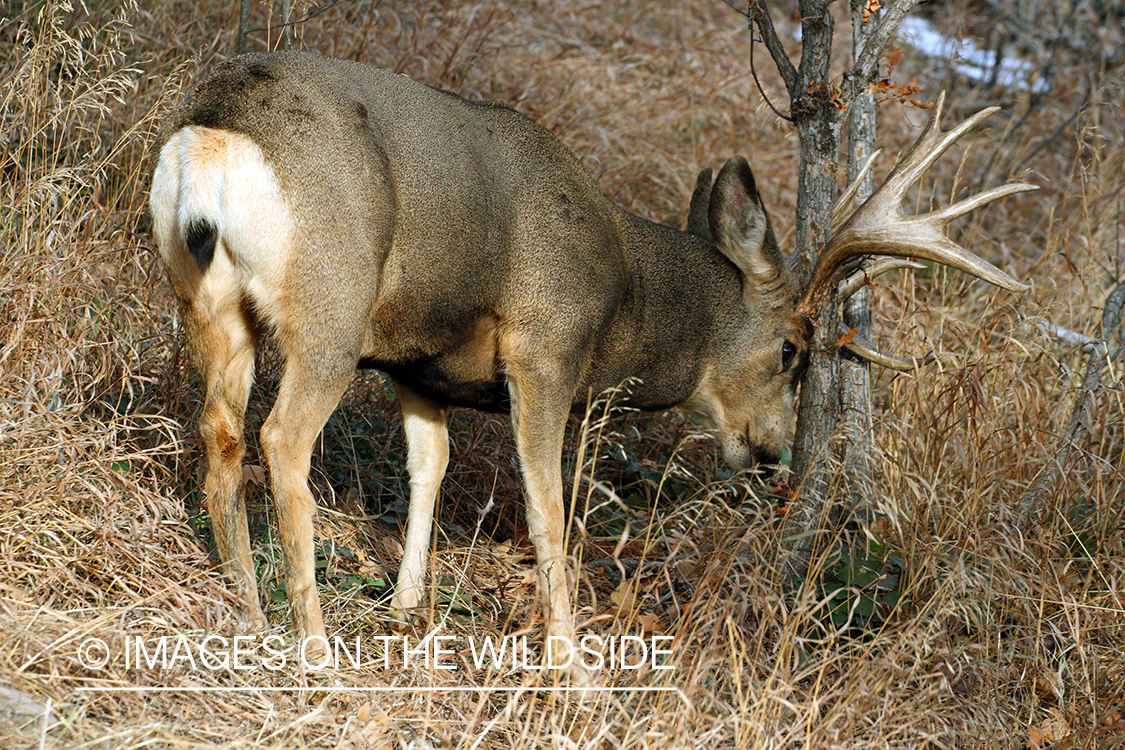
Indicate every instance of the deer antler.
{"type": "Point", "coordinates": [860, 278]}
{"type": "Point", "coordinates": [863, 348]}
{"type": "Point", "coordinates": [879, 227]}
{"type": "Point", "coordinates": [860, 346]}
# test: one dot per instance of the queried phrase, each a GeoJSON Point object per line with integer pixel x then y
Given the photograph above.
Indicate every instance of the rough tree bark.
{"type": "Point", "coordinates": [816, 106]}
{"type": "Point", "coordinates": [286, 24]}
{"type": "Point", "coordinates": [855, 375]}
{"type": "Point", "coordinates": [817, 119]}
{"type": "Point", "coordinates": [243, 26]}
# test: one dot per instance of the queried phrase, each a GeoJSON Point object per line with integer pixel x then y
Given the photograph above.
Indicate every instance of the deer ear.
{"type": "Point", "coordinates": [699, 219]}
{"type": "Point", "coordinates": [740, 226]}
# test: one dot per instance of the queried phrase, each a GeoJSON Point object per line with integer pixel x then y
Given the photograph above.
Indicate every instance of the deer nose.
{"type": "Point", "coordinates": [762, 459]}
{"type": "Point", "coordinates": [766, 456]}
{"type": "Point", "coordinates": [763, 462]}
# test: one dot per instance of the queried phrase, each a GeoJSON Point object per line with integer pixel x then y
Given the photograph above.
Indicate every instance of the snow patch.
{"type": "Point", "coordinates": [968, 59]}
{"type": "Point", "coordinates": [965, 56]}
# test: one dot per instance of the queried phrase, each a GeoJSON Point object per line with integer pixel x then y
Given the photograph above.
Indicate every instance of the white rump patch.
{"type": "Point", "coordinates": [223, 178]}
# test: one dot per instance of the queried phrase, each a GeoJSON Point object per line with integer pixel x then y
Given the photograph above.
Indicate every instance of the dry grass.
{"type": "Point", "coordinates": [978, 636]}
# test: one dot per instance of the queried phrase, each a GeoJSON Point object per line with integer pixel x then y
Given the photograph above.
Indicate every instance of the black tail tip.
{"type": "Point", "coordinates": [201, 236]}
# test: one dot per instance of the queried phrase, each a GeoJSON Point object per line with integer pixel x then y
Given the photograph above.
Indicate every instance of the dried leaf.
{"type": "Point", "coordinates": [870, 8]}
{"type": "Point", "coordinates": [254, 474]}
{"type": "Point", "coordinates": [1045, 686]}
{"type": "Point", "coordinates": [893, 56]}
{"type": "Point", "coordinates": [847, 338]}
{"type": "Point", "coordinates": [624, 596]}
{"type": "Point", "coordinates": [1056, 727]}
{"type": "Point", "coordinates": [650, 623]}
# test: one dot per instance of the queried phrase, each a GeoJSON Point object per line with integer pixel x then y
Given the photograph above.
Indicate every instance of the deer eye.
{"type": "Point", "coordinates": [787, 352]}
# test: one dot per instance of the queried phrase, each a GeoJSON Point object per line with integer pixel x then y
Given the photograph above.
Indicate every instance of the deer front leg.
{"type": "Point", "coordinates": [540, 406]}
{"type": "Point", "coordinates": [427, 455]}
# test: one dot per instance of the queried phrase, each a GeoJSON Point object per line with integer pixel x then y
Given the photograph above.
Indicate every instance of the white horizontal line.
{"type": "Point", "coordinates": [327, 689]}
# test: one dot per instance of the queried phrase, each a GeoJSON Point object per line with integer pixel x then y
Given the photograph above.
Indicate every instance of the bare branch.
{"type": "Point", "coordinates": [758, 81]}
{"type": "Point", "coordinates": [1058, 131]}
{"type": "Point", "coordinates": [1048, 480]}
{"type": "Point", "coordinates": [867, 63]}
{"type": "Point", "coordinates": [761, 15]}
{"type": "Point", "coordinates": [1064, 335]}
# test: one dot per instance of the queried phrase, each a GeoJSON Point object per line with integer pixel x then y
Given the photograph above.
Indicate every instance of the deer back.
{"type": "Point", "coordinates": [430, 229]}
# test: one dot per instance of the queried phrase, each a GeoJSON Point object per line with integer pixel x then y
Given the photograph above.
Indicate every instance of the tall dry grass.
{"type": "Point", "coordinates": [932, 622]}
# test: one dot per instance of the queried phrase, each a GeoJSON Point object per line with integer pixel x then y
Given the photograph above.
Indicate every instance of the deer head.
{"type": "Point", "coordinates": [873, 237]}
{"type": "Point", "coordinates": [750, 402]}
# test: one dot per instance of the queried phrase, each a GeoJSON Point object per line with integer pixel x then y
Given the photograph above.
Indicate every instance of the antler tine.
{"type": "Point", "coordinates": [927, 149]}
{"type": "Point", "coordinates": [856, 281]}
{"type": "Point", "coordinates": [960, 208]}
{"type": "Point", "coordinates": [879, 227]}
{"type": "Point", "coordinates": [861, 347]}
{"type": "Point", "coordinates": [847, 204]}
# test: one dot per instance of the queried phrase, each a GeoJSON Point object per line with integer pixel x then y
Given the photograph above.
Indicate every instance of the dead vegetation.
{"type": "Point", "coordinates": [934, 623]}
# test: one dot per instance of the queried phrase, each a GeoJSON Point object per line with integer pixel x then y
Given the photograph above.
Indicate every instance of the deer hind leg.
{"type": "Point", "coordinates": [311, 387]}
{"type": "Point", "coordinates": [224, 339]}
{"type": "Point", "coordinates": [540, 406]}
{"type": "Point", "coordinates": [427, 450]}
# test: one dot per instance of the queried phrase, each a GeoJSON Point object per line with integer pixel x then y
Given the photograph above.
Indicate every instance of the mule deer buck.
{"type": "Point", "coordinates": [369, 221]}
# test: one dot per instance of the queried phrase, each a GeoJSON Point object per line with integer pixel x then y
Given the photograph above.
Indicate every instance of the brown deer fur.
{"type": "Point", "coordinates": [367, 220]}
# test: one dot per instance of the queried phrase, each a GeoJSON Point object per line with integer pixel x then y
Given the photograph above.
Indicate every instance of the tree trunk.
{"type": "Point", "coordinates": [286, 20]}
{"type": "Point", "coordinates": [243, 26]}
{"type": "Point", "coordinates": [818, 127]}
{"type": "Point", "coordinates": [833, 391]}
{"type": "Point", "coordinates": [855, 380]}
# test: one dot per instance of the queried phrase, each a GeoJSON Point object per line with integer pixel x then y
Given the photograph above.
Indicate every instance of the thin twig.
{"type": "Point", "coordinates": [308, 16]}
{"type": "Point", "coordinates": [1058, 131]}
{"type": "Point", "coordinates": [761, 16]}
{"type": "Point", "coordinates": [867, 62]}
{"type": "Point", "coordinates": [762, 91]}
{"type": "Point", "coordinates": [753, 69]}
